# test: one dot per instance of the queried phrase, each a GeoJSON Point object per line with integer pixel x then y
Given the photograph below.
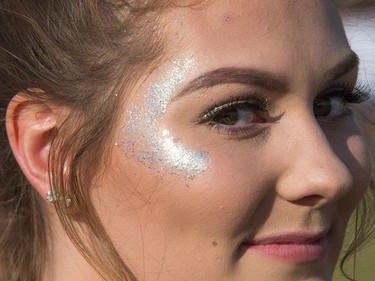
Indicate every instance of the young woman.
{"type": "Point", "coordinates": [209, 140]}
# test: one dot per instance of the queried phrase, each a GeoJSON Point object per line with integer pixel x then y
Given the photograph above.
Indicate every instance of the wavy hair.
{"type": "Point", "coordinates": [81, 54]}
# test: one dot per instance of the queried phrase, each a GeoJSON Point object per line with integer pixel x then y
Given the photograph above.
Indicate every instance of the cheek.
{"type": "Point", "coordinates": [147, 139]}
{"type": "Point", "coordinates": [358, 162]}
{"type": "Point", "coordinates": [221, 201]}
{"type": "Point", "coordinates": [233, 189]}
{"type": "Point", "coordinates": [160, 152]}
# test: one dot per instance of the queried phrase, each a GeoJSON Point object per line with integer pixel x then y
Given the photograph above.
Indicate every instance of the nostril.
{"type": "Point", "coordinates": [309, 201]}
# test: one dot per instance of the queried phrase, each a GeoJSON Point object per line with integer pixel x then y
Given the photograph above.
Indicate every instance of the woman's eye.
{"type": "Point", "coordinates": [235, 114]}
{"type": "Point", "coordinates": [239, 118]}
{"type": "Point", "coordinates": [240, 115]}
{"type": "Point", "coordinates": [331, 107]}
{"type": "Point", "coordinates": [334, 105]}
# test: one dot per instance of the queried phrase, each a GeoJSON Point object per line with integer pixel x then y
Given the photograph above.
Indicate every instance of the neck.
{"type": "Point", "coordinates": [65, 262]}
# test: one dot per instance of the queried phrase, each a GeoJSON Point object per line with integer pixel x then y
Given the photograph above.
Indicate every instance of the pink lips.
{"type": "Point", "coordinates": [293, 247]}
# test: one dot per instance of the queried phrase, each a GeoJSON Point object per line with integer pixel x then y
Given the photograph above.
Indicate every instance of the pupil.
{"type": "Point", "coordinates": [322, 107]}
{"type": "Point", "coordinates": [228, 118]}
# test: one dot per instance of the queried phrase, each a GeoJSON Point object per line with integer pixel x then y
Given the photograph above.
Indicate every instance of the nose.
{"type": "Point", "coordinates": [313, 173]}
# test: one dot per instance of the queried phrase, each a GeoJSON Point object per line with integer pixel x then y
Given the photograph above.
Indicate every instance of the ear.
{"type": "Point", "coordinates": [31, 126]}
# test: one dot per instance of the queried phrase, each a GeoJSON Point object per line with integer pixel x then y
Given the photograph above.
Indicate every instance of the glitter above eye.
{"type": "Point", "coordinates": [147, 141]}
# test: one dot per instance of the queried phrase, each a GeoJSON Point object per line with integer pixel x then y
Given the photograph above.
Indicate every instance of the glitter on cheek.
{"type": "Point", "coordinates": [182, 159]}
{"type": "Point", "coordinates": [150, 144]}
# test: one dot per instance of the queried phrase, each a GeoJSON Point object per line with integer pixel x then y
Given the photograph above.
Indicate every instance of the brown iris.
{"type": "Point", "coordinates": [227, 118]}
{"type": "Point", "coordinates": [322, 108]}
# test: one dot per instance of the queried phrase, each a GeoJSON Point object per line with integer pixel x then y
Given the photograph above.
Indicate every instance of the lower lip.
{"type": "Point", "coordinates": [300, 253]}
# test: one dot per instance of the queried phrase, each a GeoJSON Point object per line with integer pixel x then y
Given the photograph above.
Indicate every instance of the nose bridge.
{"type": "Point", "coordinates": [313, 171]}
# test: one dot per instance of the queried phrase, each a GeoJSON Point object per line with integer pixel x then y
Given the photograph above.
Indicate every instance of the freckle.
{"type": "Point", "coordinates": [226, 17]}
{"type": "Point", "coordinates": [214, 243]}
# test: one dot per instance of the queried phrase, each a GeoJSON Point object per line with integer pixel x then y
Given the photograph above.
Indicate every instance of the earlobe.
{"type": "Point", "coordinates": [31, 126]}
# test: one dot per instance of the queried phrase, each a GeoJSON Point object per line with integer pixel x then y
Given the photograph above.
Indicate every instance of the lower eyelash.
{"type": "Point", "coordinates": [249, 132]}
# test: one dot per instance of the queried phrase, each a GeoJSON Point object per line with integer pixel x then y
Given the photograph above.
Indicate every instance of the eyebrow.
{"type": "Point", "coordinates": [349, 63]}
{"type": "Point", "coordinates": [259, 78]}
{"type": "Point", "coordinates": [232, 75]}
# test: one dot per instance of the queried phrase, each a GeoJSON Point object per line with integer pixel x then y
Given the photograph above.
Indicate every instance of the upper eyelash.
{"type": "Point", "coordinates": [351, 94]}
{"type": "Point", "coordinates": [259, 103]}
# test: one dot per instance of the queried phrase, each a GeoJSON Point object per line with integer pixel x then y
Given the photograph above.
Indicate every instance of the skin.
{"type": "Point", "coordinates": [360, 31]}
{"type": "Point", "coordinates": [304, 175]}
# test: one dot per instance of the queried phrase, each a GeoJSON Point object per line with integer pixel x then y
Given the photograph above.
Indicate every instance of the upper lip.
{"type": "Point", "coordinates": [288, 238]}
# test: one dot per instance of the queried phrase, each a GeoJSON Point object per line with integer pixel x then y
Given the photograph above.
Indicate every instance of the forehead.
{"type": "Point", "coordinates": [274, 35]}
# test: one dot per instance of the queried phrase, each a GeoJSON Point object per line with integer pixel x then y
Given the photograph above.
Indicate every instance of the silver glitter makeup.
{"type": "Point", "coordinates": [147, 141]}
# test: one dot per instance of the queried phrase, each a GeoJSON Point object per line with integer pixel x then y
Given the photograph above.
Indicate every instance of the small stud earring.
{"type": "Point", "coordinates": [51, 196]}
{"type": "Point", "coordinates": [54, 197]}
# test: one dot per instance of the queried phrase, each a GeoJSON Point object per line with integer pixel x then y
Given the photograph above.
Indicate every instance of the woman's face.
{"type": "Point", "coordinates": [238, 158]}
